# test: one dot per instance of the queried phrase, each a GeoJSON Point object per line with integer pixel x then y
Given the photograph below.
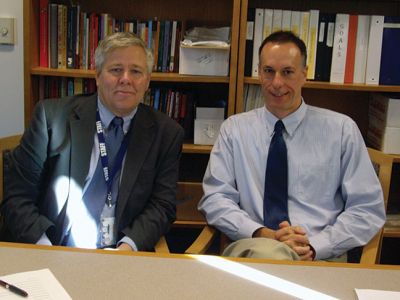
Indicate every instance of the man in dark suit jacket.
{"type": "Point", "coordinates": [50, 170]}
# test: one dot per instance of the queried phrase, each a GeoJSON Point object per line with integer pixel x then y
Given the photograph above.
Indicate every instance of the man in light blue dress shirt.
{"type": "Point", "coordinates": [335, 201]}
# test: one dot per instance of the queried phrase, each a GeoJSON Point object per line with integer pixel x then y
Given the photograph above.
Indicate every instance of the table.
{"type": "Point", "coordinates": [102, 274]}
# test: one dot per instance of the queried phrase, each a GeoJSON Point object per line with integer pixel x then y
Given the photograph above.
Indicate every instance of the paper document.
{"type": "Point", "coordinates": [365, 294]}
{"type": "Point", "coordinates": [39, 284]}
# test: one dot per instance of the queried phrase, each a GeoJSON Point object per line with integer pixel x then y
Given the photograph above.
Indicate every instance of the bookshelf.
{"type": "Point", "coordinates": [191, 13]}
{"type": "Point", "coordinates": [351, 99]}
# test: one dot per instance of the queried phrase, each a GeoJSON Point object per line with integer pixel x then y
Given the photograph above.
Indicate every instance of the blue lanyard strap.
{"type": "Point", "coordinates": [109, 176]}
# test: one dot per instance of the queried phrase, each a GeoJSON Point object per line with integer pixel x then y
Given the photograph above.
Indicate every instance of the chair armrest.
{"type": "Point", "coordinates": [203, 241]}
{"type": "Point", "coordinates": [371, 251]}
{"type": "Point", "coordinates": [161, 246]}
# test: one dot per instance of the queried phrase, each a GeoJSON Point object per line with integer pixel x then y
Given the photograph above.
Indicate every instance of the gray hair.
{"type": "Point", "coordinates": [120, 40]}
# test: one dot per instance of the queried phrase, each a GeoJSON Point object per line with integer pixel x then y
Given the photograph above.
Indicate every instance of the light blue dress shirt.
{"type": "Point", "coordinates": [333, 192]}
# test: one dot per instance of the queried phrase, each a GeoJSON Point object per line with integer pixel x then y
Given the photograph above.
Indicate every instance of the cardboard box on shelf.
{"type": "Point", "coordinates": [204, 60]}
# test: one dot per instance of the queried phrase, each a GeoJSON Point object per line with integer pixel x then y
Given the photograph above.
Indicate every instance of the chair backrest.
{"type": "Point", "coordinates": [6, 143]}
{"type": "Point", "coordinates": [187, 214]}
{"type": "Point", "coordinates": [383, 164]}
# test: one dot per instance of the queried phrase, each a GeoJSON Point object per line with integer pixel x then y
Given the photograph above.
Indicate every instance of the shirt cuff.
{"type": "Point", "coordinates": [44, 240]}
{"type": "Point", "coordinates": [321, 247]}
{"type": "Point", "coordinates": [128, 241]}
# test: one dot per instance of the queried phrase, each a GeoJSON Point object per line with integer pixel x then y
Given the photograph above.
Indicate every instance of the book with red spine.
{"type": "Point", "coordinates": [44, 34]}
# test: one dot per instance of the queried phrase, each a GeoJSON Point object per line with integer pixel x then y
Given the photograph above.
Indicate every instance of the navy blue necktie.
{"type": "Point", "coordinates": [95, 195]}
{"type": "Point", "coordinates": [276, 181]}
{"type": "Point", "coordinates": [114, 139]}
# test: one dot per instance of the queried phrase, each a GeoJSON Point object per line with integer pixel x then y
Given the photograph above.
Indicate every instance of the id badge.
{"type": "Point", "coordinates": [107, 231]}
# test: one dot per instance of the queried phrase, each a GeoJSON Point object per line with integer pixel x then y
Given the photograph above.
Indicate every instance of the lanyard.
{"type": "Point", "coordinates": [109, 176]}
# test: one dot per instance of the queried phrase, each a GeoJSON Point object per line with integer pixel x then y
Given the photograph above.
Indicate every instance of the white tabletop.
{"type": "Point", "coordinates": [100, 274]}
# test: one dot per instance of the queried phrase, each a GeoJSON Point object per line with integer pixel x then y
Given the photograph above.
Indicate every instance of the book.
{"type": "Point", "coordinates": [44, 33]}
{"type": "Point", "coordinates": [258, 34]}
{"type": "Point", "coordinates": [93, 39]}
{"type": "Point", "coordinates": [277, 20]}
{"type": "Point", "coordinates": [389, 73]}
{"type": "Point", "coordinates": [177, 44]}
{"type": "Point", "coordinates": [160, 46]}
{"type": "Point", "coordinates": [62, 36]}
{"type": "Point", "coordinates": [173, 45]}
{"type": "Point", "coordinates": [304, 25]}
{"type": "Point", "coordinates": [78, 86]}
{"type": "Point", "coordinates": [351, 49]}
{"type": "Point", "coordinates": [156, 37]}
{"type": "Point", "coordinates": [374, 50]}
{"type": "Point", "coordinates": [295, 22]}
{"type": "Point", "coordinates": [286, 19]}
{"type": "Point", "coordinates": [249, 41]}
{"type": "Point", "coordinates": [323, 62]}
{"type": "Point", "coordinates": [72, 17]}
{"type": "Point", "coordinates": [78, 39]}
{"type": "Point", "coordinates": [360, 60]}
{"type": "Point", "coordinates": [166, 46]}
{"type": "Point", "coordinates": [312, 43]}
{"type": "Point", "coordinates": [85, 42]}
{"type": "Point", "coordinates": [53, 35]}
{"type": "Point", "coordinates": [339, 51]}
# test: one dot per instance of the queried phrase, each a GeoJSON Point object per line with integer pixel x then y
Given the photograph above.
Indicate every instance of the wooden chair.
{"type": "Point", "coordinates": [188, 216]}
{"type": "Point", "coordinates": [383, 164]}
{"type": "Point", "coordinates": [6, 143]}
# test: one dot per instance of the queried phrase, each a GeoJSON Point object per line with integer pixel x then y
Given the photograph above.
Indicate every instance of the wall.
{"type": "Point", "coordinates": [12, 73]}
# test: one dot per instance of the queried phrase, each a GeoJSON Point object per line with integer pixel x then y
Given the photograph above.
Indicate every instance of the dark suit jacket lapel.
{"type": "Point", "coordinates": [82, 133]}
{"type": "Point", "coordinates": [142, 133]}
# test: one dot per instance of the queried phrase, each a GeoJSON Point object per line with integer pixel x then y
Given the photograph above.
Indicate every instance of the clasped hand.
{"type": "Point", "coordinates": [295, 237]}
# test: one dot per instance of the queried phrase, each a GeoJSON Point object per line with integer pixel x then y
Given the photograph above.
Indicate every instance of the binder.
{"type": "Point", "coordinates": [360, 61]}
{"type": "Point", "coordinates": [312, 43]}
{"type": "Point", "coordinates": [277, 20]}
{"type": "Point", "coordinates": [339, 51]}
{"type": "Point", "coordinates": [390, 59]}
{"type": "Point", "coordinates": [258, 32]}
{"type": "Point", "coordinates": [249, 41]}
{"type": "Point", "coordinates": [323, 62]}
{"type": "Point", "coordinates": [374, 50]}
{"type": "Point", "coordinates": [351, 49]}
{"type": "Point", "coordinates": [267, 25]}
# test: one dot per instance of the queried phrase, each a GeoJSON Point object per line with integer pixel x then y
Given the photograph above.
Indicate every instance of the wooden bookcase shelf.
{"type": "Point", "coordinates": [162, 77]}
{"type": "Point", "coordinates": [319, 85]}
{"type": "Point", "coordinates": [200, 149]}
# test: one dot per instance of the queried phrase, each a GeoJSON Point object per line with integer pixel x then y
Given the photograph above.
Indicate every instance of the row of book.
{"type": "Point", "coordinates": [68, 37]}
{"type": "Point", "coordinates": [172, 102]}
{"type": "Point", "coordinates": [253, 97]}
{"type": "Point", "coordinates": [58, 87]}
{"type": "Point", "coordinates": [341, 48]}
{"type": "Point", "coordinates": [178, 104]}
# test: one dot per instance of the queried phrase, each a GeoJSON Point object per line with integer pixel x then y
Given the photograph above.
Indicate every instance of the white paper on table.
{"type": "Point", "coordinates": [40, 284]}
{"type": "Point", "coordinates": [365, 294]}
